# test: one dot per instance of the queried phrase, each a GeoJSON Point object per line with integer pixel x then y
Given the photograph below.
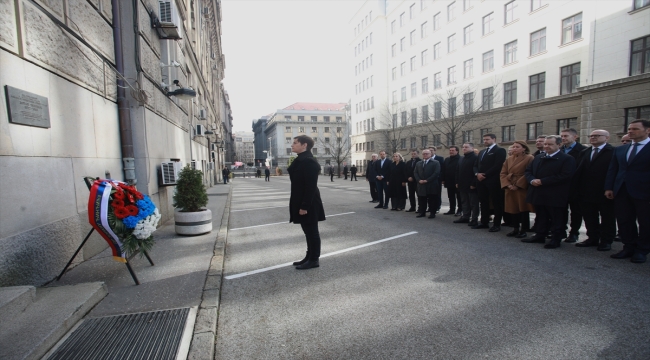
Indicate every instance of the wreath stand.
{"type": "Point", "coordinates": [89, 182]}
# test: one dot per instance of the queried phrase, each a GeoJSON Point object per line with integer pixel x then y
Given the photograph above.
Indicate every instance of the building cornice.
{"type": "Point", "coordinates": [618, 83]}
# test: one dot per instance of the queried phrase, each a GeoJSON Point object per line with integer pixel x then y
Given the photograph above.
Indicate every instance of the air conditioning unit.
{"type": "Point", "coordinates": [169, 172]}
{"type": "Point", "coordinates": [199, 130]}
{"type": "Point", "coordinates": [169, 19]}
{"type": "Point", "coordinates": [203, 114]}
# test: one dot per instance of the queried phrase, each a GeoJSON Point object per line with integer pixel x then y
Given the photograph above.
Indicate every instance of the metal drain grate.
{"type": "Point", "coordinates": [151, 335]}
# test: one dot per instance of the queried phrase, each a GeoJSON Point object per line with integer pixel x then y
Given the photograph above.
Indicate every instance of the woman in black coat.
{"type": "Point", "coordinates": [305, 205]}
{"type": "Point", "coordinates": [397, 183]}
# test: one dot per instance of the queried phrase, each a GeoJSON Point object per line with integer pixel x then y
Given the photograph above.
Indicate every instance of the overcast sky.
{"type": "Point", "coordinates": [279, 52]}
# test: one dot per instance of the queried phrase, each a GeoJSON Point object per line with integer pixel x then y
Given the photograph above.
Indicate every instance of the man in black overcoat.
{"type": "Point", "coordinates": [382, 168]}
{"type": "Point", "coordinates": [353, 172]}
{"type": "Point", "coordinates": [441, 161]}
{"type": "Point", "coordinates": [267, 174]}
{"type": "Point", "coordinates": [573, 148]}
{"type": "Point", "coordinates": [305, 205]}
{"type": "Point", "coordinates": [549, 177]}
{"type": "Point", "coordinates": [345, 171]}
{"type": "Point", "coordinates": [487, 170]}
{"type": "Point", "coordinates": [449, 180]}
{"type": "Point", "coordinates": [371, 178]}
{"type": "Point", "coordinates": [597, 210]}
{"type": "Point", "coordinates": [411, 183]}
{"type": "Point", "coordinates": [466, 186]}
{"type": "Point", "coordinates": [427, 175]}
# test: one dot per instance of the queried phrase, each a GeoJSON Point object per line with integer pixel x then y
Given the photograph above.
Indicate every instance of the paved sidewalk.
{"type": "Point", "coordinates": [187, 273]}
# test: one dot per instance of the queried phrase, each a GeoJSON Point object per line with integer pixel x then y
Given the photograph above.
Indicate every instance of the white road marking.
{"type": "Point", "coordinates": [230, 277]}
{"type": "Point", "coordinates": [284, 222]}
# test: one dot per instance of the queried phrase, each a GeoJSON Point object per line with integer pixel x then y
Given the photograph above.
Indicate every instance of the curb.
{"type": "Point", "coordinates": [205, 328]}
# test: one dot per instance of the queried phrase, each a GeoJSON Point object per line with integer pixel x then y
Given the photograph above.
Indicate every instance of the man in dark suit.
{"type": "Point", "coordinates": [628, 184]}
{"type": "Point", "coordinates": [466, 186]}
{"type": "Point", "coordinates": [345, 171]}
{"type": "Point", "coordinates": [412, 184]}
{"type": "Point", "coordinates": [571, 147]}
{"type": "Point", "coordinates": [487, 170]}
{"type": "Point", "coordinates": [597, 210]}
{"type": "Point", "coordinates": [371, 178]}
{"type": "Point", "coordinates": [382, 168]}
{"type": "Point", "coordinates": [353, 172]}
{"type": "Point", "coordinates": [267, 174]}
{"type": "Point", "coordinates": [449, 180]}
{"type": "Point", "coordinates": [550, 179]}
{"type": "Point", "coordinates": [427, 173]}
{"type": "Point", "coordinates": [305, 205]}
{"type": "Point", "coordinates": [539, 144]}
{"type": "Point", "coordinates": [440, 160]}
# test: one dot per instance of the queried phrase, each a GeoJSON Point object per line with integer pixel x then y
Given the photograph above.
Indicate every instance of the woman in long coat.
{"type": "Point", "coordinates": [514, 183]}
{"type": "Point", "coordinates": [397, 183]}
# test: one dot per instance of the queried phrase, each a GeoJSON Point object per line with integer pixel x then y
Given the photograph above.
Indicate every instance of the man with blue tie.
{"type": "Point", "coordinates": [628, 183]}
{"type": "Point", "coordinates": [382, 167]}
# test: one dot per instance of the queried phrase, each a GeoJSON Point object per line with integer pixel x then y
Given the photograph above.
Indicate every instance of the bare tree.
{"type": "Point", "coordinates": [395, 129]}
{"type": "Point", "coordinates": [459, 111]}
{"type": "Point", "coordinates": [337, 148]}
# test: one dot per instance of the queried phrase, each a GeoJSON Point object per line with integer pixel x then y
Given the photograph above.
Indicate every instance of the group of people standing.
{"type": "Point", "coordinates": [563, 182]}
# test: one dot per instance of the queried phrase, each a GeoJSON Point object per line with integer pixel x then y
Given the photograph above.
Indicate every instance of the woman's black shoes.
{"type": "Point", "coordinates": [296, 263]}
{"type": "Point", "coordinates": [308, 265]}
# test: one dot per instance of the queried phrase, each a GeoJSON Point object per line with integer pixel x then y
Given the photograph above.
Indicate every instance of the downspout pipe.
{"type": "Point", "coordinates": [123, 109]}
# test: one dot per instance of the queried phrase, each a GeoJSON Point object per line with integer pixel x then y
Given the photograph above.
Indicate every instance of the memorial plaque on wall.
{"type": "Point", "coordinates": [26, 108]}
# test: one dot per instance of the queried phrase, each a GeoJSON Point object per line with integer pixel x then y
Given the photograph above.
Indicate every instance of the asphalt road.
{"type": "Point", "coordinates": [431, 290]}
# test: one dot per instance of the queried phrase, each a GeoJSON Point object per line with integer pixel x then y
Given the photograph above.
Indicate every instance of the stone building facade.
{"type": "Point", "coordinates": [244, 147]}
{"type": "Point", "coordinates": [109, 114]}
{"type": "Point", "coordinates": [457, 69]}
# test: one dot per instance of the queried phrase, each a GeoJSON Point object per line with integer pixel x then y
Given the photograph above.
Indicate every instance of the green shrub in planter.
{"type": "Point", "coordinates": [190, 195]}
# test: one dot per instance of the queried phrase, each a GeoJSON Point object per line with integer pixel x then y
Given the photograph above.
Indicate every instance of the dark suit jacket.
{"type": "Point", "coordinates": [555, 174]}
{"type": "Point", "coordinates": [465, 175]}
{"type": "Point", "coordinates": [441, 160]}
{"type": "Point", "coordinates": [537, 153]}
{"type": "Point", "coordinates": [353, 169]}
{"type": "Point", "coordinates": [383, 170]}
{"type": "Point", "coordinates": [491, 165]}
{"type": "Point", "coordinates": [303, 173]}
{"type": "Point", "coordinates": [430, 173]}
{"type": "Point", "coordinates": [267, 172]}
{"type": "Point", "coordinates": [635, 175]}
{"type": "Point", "coordinates": [371, 173]}
{"type": "Point", "coordinates": [576, 151]}
{"type": "Point", "coordinates": [590, 174]}
{"type": "Point", "coordinates": [410, 168]}
{"type": "Point", "coordinates": [451, 169]}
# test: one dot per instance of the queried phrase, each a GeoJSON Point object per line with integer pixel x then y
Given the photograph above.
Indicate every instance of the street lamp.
{"type": "Point", "coordinates": [270, 155]}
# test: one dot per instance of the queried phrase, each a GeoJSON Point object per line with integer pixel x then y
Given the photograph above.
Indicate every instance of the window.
{"type": "Point", "coordinates": [393, 50]}
{"type": "Point", "coordinates": [423, 30]}
{"type": "Point", "coordinates": [314, 129]}
{"type": "Point", "coordinates": [425, 113]}
{"type": "Point", "coordinates": [508, 133]}
{"type": "Point", "coordinates": [327, 129]}
{"type": "Point", "coordinates": [402, 143]}
{"type": "Point", "coordinates": [314, 118]}
{"type": "Point", "coordinates": [314, 151]}
{"type": "Point", "coordinates": [338, 130]}
{"type": "Point", "coordinates": [451, 107]}
{"type": "Point", "coordinates": [535, 4]}
{"type": "Point", "coordinates": [436, 51]}
{"type": "Point", "coordinates": [372, 102]}
{"type": "Point", "coordinates": [436, 140]}
{"type": "Point", "coordinates": [392, 27]}
{"type": "Point", "coordinates": [287, 129]}
{"type": "Point", "coordinates": [402, 44]}
{"type": "Point", "coordinates": [372, 125]}
{"type": "Point", "coordinates": [326, 118]}
{"type": "Point", "coordinates": [394, 96]}
{"type": "Point", "coordinates": [468, 103]}
{"type": "Point", "coordinates": [301, 129]}
{"type": "Point", "coordinates": [570, 78]}
{"type": "Point", "coordinates": [451, 75]}
{"type": "Point", "coordinates": [414, 90]}
{"type": "Point", "coordinates": [402, 69]}
{"type": "Point", "coordinates": [424, 140]}
{"type": "Point", "coordinates": [451, 43]}
{"type": "Point", "coordinates": [510, 52]}
{"type": "Point", "coordinates": [301, 118]}
{"type": "Point", "coordinates": [412, 11]}
{"type": "Point", "coordinates": [288, 140]}
{"type": "Point", "coordinates": [370, 59]}
{"type": "Point", "coordinates": [371, 82]}
{"type": "Point", "coordinates": [466, 5]}
{"type": "Point", "coordinates": [288, 151]}
{"type": "Point", "coordinates": [467, 34]}
{"type": "Point", "coordinates": [412, 38]}
{"type": "Point", "coordinates": [437, 110]}
{"type": "Point", "coordinates": [413, 63]}
{"type": "Point", "coordinates": [414, 142]}
{"type": "Point", "coordinates": [401, 19]}
{"type": "Point", "coordinates": [488, 23]}
{"type": "Point", "coordinates": [637, 5]}
{"type": "Point", "coordinates": [394, 120]}
{"type": "Point", "coordinates": [372, 144]}
{"type": "Point", "coordinates": [423, 4]}
{"type": "Point", "coordinates": [569, 123]}
{"type": "Point", "coordinates": [534, 130]}
{"type": "Point", "coordinates": [450, 139]}
{"type": "Point", "coordinates": [425, 85]}
{"type": "Point", "coordinates": [394, 74]}
{"type": "Point", "coordinates": [509, 10]}
{"type": "Point", "coordinates": [451, 11]}
{"type": "Point", "coordinates": [404, 118]}
{"type": "Point", "coordinates": [537, 84]}
{"type": "Point", "coordinates": [538, 42]}
{"type": "Point", "coordinates": [436, 22]}
{"type": "Point", "coordinates": [510, 93]}
{"type": "Point", "coordinates": [640, 59]}
{"type": "Point", "coordinates": [486, 131]}
{"type": "Point", "coordinates": [468, 136]}
{"type": "Point", "coordinates": [287, 117]}
{"type": "Point", "coordinates": [437, 81]}
{"type": "Point", "coordinates": [403, 94]}
{"type": "Point", "coordinates": [636, 113]}
{"type": "Point", "coordinates": [468, 69]}
{"type": "Point", "coordinates": [414, 116]}
{"type": "Point", "coordinates": [572, 28]}
{"type": "Point", "coordinates": [327, 152]}
{"type": "Point", "coordinates": [315, 139]}
{"type": "Point", "coordinates": [488, 61]}
{"type": "Point", "coordinates": [327, 140]}
{"type": "Point", "coordinates": [425, 57]}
